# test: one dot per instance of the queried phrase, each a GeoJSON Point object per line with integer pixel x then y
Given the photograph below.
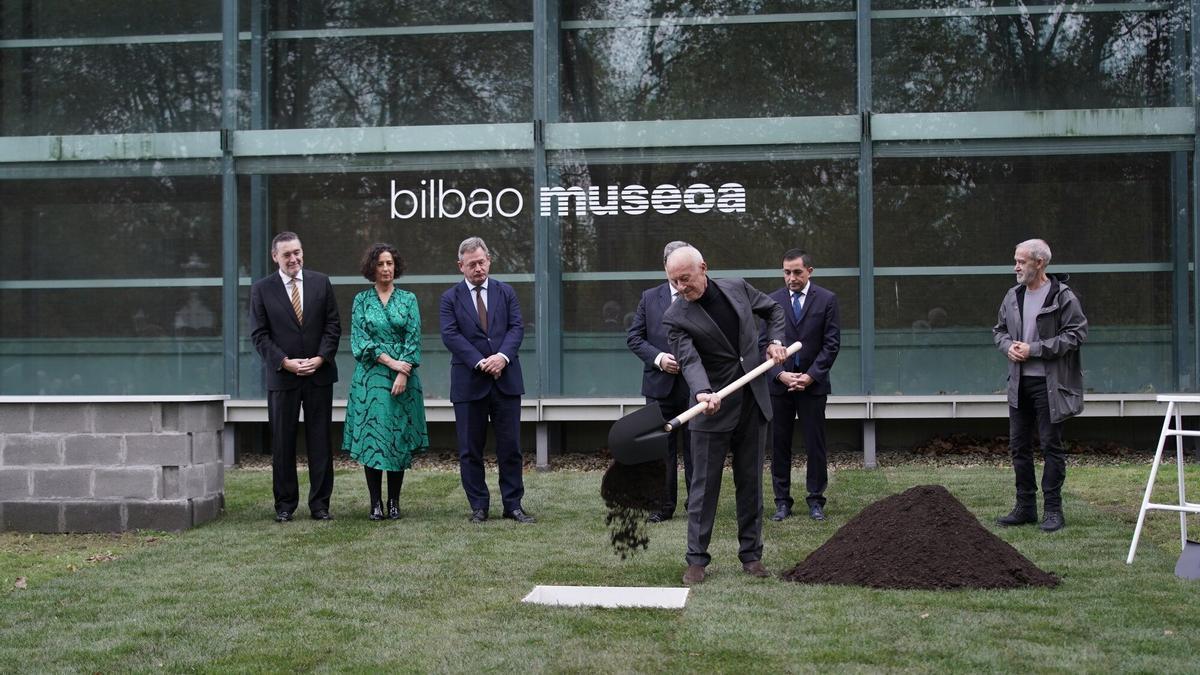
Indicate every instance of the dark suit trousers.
{"type": "Point", "coordinates": [747, 442]}
{"type": "Point", "coordinates": [678, 443]}
{"type": "Point", "coordinates": [470, 421]}
{"type": "Point", "coordinates": [1032, 415]}
{"type": "Point", "coordinates": [811, 410]}
{"type": "Point", "coordinates": [283, 415]}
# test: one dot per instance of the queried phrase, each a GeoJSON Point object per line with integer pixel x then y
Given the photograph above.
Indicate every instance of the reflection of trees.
{"type": "Point", "coordinates": [673, 71]}
{"type": "Point", "coordinates": [399, 80]}
{"type": "Point", "coordinates": [1027, 61]}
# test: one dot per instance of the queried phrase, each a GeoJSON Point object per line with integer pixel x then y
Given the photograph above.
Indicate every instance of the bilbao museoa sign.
{"type": "Point", "coordinates": [432, 199]}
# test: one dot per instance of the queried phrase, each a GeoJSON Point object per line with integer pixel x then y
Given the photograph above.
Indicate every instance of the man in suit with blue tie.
{"type": "Point", "coordinates": [662, 385]}
{"type": "Point", "coordinates": [295, 327]}
{"type": "Point", "coordinates": [482, 328]}
{"type": "Point", "coordinates": [800, 387]}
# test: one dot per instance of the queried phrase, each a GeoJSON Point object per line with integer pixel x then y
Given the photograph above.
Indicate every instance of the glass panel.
{"type": "Point", "coordinates": [667, 72]}
{"type": "Point", "coordinates": [972, 211]}
{"type": "Point", "coordinates": [22, 19]}
{"type": "Point", "coordinates": [89, 333]}
{"type": "Point", "coordinates": [396, 81]}
{"type": "Point", "coordinates": [1030, 61]}
{"type": "Point", "coordinates": [70, 90]}
{"type": "Point", "coordinates": [339, 215]}
{"type": "Point", "coordinates": [373, 13]}
{"type": "Point", "coordinates": [623, 9]}
{"type": "Point", "coordinates": [802, 203]}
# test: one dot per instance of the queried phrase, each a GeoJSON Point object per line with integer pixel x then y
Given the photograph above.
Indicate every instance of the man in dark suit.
{"type": "Point", "coordinates": [482, 328]}
{"type": "Point", "coordinates": [295, 327]}
{"type": "Point", "coordinates": [661, 383]}
{"type": "Point", "coordinates": [800, 386]}
{"type": "Point", "coordinates": [714, 332]}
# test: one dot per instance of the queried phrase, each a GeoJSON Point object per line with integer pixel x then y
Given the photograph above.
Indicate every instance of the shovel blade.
{"type": "Point", "coordinates": [639, 436]}
{"type": "Point", "coordinates": [1188, 566]}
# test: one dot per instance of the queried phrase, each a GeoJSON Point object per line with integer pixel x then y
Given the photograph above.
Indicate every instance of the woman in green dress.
{"type": "Point", "coordinates": [385, 412]}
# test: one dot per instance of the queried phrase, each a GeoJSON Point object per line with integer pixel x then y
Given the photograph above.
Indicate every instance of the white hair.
{"type": "Point", "coordinates": [689, 252]}
{"type": "Point", "coordinates": [1037, 248]}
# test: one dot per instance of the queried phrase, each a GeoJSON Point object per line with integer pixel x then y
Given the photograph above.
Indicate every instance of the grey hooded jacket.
{"type": "Point", "coordinates": [1062, 328]}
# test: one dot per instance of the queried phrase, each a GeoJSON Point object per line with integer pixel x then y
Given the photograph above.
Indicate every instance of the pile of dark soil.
{"type": "Point", "coordinates": [922, 538]}
{"type": "Point", "coordinates": [631, 492]}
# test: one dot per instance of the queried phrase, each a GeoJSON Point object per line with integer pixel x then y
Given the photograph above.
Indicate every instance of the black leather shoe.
{"type": "Point", "coordinates": [393, 509]}
{"type": "Point", "coordinates": [1053, 521]}
{"type": "Point", "coordinates": [781, 513]}
{"type": "Point", "coordinates": [478, 516]}
{"type": "Point", "coordinates": [816, 513]}
{"type": "Point", "coordinates": [519, 516]}
{"type": "Point", "coordinates": [321, 514]}
{"type": "Point", "coordinates": [283, 516]}
{"type": "Point", "coordinates": [376, 511]}
{"type": "Point", "coordinates": [1019, 516]}
{"type": "Point", "coordinates": [659, 517]}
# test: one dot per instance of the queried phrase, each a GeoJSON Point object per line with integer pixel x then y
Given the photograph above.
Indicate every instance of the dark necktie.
{"type": "Point", "coordinates": [797, 306]}
{"type": "Point", "coordinates": [480, 308]}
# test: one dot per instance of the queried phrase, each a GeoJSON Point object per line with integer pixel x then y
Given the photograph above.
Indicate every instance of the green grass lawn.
{"type": "Point", "coordinates": [432, 592]}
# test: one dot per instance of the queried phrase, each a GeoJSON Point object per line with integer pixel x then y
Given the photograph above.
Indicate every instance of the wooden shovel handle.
{"type": "Point", "coordinates": [727, 390]}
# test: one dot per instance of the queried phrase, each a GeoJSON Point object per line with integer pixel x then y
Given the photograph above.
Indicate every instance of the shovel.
{"type": "Point", "coordinates": [1188, 566]}
{"type": "Point", "coordinates": [641, 436]}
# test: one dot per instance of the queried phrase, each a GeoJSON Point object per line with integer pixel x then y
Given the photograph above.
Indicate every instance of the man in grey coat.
{"type": "Point", "coordinates": [714, 334]}
{"type": "Point", "coordinates": [1040, 328]}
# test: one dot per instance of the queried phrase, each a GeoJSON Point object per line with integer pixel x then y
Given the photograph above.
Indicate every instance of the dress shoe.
{"type": "Point", "coordinates": [376, 511]}
{"type": "Point", "coordinates": [283, 516]}
{"type": "Point", "coordinates": [782, 512]}
{"type": "Point", "coordinates": [755, 569]}
{"type": "Point", "coordinates": [321, 514]}
{"type": "Point", "coordinates": [694, 574]}
{"type": "Point", "coordinates": [478, 516]}
{"type": "Point", "coordinates": [658, 517]}
{"type": "Point", "coordinates": [816, 512]}
{"type": "Point", "coordinates": [393, 509]}
{"type": "Point", "coordinates": [1053, 521]}
{"type": "Point", "coordinates": [1020, 516]}
{"type": "Point", "coordinates": [520, 516]}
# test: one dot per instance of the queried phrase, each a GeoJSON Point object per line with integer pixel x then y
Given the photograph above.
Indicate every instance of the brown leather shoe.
{"type": "Point", "coordinates": [755, 569]}
{"type": "Point", "coordinates": [693, 575]}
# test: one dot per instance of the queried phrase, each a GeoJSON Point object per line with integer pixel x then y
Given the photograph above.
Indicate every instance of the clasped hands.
{"type": "Point", "coordinates": [1018, 352]}
{"type": "Point", "coordinates": [303, 367]}
{"type": "Point", "coordinates": [493, 365]}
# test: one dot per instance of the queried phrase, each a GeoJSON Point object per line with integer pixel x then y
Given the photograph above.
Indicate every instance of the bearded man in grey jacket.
{"type": "Point", "coordinates": [1040, 328]}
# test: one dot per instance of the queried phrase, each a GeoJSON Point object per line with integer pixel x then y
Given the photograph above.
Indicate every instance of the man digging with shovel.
{"type": "Point", "coordinates": [714, 334]}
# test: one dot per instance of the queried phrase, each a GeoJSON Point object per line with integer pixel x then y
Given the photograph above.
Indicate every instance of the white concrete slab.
{"type": "Point", "coordinates": [608, 596]}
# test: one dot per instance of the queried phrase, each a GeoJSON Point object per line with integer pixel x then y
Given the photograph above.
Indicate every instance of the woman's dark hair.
{"type": "Point", "coordinates": [371, 258]}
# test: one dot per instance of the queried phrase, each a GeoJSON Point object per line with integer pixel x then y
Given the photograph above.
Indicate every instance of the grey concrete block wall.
{"type": "Point", "coordinates": [106, 464]}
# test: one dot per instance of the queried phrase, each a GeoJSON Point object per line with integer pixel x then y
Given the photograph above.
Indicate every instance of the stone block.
{"type": "Point", "coordinates": [214, 475]}
{"type": "Point", "coordinates": [16, 418]}
{"type": "Point", "coordinates": [202, 416]}
{"type": "Point", "coordinates": [171, 487]}
{"type": "Point", "coordinates": [62, 482]}
{"type": "Point", "coordinates": [206, 446]}
{"type": "Point", "coordinates": [15, 483]}
{"type": "Point", "coordinates": [173, 515]}
{"type": "Point", "coordinates": [192, 480]}
{"type": "Point", "coordinates": [31, 516]}
{"type": "Point", "coordinates": [170, 416]}
{"type": "Point", "coordinates": [28, 449]}
{"type": "Point", "coordinates": [92, 449]}
{"type": "Point", "coordinates": [92, 517]}
{"type": "Point", "coordinates": [162, 449]}
{"type": "Point", "coordinates": [129, 482]}
{"type": "Point", "coordinates": [205, 509]}
{"type": "Point", "coordinates": [115, 418]}
{"type": "Point", "coordinates": [70, 418]}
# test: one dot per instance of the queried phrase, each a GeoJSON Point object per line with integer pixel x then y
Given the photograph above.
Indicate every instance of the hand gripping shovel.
{"type": "Point", "coordinates": [641, 436]}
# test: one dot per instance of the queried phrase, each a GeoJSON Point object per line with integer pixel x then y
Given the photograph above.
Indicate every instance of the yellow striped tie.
{"type": "Point", "coordinates": [296, 301]}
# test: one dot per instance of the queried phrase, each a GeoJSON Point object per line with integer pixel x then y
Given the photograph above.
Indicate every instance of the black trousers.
{"type": "Point", "coordinates": [283, 415]}
{"type": "Point", "coordinates": [1032, 416]}
{"type": "Point", "coordinates": [811, 411]}
{"type": "Point", "coordinates": [471, 423]}
{"type": "Point", "coordinates": [678, 443]}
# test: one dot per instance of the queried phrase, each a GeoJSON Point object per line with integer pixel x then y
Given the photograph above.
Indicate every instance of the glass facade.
{"type": "Point", "coordinates": [150, 150]}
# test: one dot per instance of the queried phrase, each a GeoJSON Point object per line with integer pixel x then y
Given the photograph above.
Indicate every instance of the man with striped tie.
{"type": "Point", "coordinates": [295, 327]}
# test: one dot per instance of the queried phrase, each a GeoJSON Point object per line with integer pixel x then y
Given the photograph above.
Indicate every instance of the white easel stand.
{"type": "Point", "coordinates": [1184, 507]}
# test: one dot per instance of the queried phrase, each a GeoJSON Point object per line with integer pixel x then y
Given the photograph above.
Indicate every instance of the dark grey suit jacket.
{"type": "Point", "coordinates": [707, 359]}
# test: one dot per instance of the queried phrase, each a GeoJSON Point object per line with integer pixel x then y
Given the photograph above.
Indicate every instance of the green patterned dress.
{"type": "Point", "coordinates": [383, 431]}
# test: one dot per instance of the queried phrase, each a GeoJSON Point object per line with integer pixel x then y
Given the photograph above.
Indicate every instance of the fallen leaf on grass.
{"type": "Point", "coordinates": [151, 540]}
{"type": "Point", "coordinates": [1168, 632]}
{"type": "Point", "coordinates": [107, 556]}
{"type": "Point", "coordinates": [20, 583]}
{"type": "Point", "coordinates": [925, 615]}
{"type": "Point", "coordinates": [72, 568]}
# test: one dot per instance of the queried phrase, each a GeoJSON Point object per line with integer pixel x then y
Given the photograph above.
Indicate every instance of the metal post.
{"type": "Point", "coordinates": [229, 257]}
{"type": "Point", "coordinates": [260, 227]}
{"type": "Point", "coordinates": [866, 225]}
{"type": "Point", "coordinates": [1195, 222]}
{"type": "Point", "coordinates": [547, 237]}
{"type": "Point", "coordinates": [1180, 223]}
